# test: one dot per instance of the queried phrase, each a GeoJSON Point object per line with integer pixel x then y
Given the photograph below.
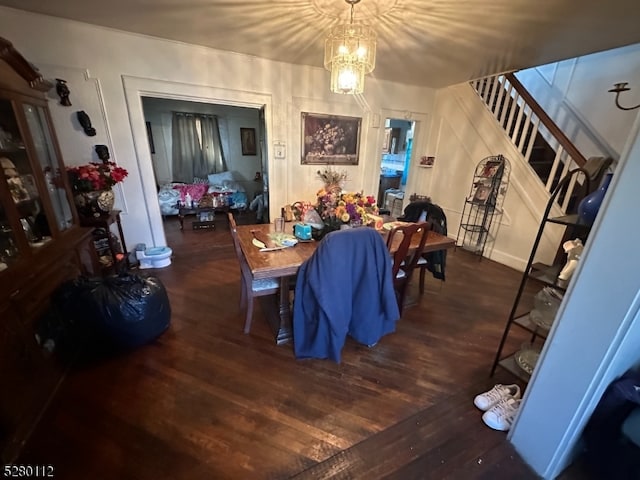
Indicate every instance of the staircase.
{"type": "Point", "coordinates": [543, 145]}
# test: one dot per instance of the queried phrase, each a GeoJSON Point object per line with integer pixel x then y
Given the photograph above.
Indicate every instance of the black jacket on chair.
{"type": "Point", "coordinates": [412, 212]}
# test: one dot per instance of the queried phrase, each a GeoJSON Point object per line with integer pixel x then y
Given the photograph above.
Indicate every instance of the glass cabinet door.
{"type": "Point", "coordinates": [9, 252]}
{"type": "Point", "coordinates": [20, 180]}
{"type": "Point", "coordinates": [50, 164]}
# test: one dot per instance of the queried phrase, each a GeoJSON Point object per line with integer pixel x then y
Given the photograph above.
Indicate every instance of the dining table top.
{"type": "Point", "coordinates": [286, 261]}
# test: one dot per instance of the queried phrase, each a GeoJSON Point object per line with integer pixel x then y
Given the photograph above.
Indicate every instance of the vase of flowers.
{"type": "Point", "coordinates": [91, 185]}
{"type": "Point", "coordinates": [344, 209]}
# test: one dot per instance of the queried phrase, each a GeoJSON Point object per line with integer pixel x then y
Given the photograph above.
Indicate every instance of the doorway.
{"type": "Point", "coordinates": [394, 164]}
{"type": "Point", "coordinates": [247, 168]}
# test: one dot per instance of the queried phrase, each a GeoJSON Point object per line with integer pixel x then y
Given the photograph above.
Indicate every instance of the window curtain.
{"type": "Point", "coordinates": [187, 158]}
{"type": "Point", "coordinates": [211, 145]}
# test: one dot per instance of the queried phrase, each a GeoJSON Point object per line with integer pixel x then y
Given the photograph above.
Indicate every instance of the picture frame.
{"type": "Point", "coordinates": [248, 141]}
{"type": "Point", "coordinates": [386, 144]}
{"type": "Point", "coordinates": [391, 142]}
{"type": "Point", "coordinates": [330, 139]}
{"type": "Point", "coordinates": [427, 161]}
{"type": "Point", "coordinates": [482, 193]}
{"type": "Point", "coordinates": [490, 168]}
{"type": "Point", "coordinates": [152, 147]}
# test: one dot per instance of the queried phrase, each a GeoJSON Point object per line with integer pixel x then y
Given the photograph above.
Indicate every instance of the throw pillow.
{"type": "Point", "coordinates": [219, 178]}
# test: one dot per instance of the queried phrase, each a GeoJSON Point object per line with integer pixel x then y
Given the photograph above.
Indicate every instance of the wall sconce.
{"type": "Point", "coordinates": [617, 89]}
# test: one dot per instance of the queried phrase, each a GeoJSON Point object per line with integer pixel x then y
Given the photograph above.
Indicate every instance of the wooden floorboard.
{"type": "Point", "coordinates": [207, 401]}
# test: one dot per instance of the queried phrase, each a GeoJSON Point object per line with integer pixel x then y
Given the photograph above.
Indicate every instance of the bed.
{"type": "Point", "coordinates": [221, 183]}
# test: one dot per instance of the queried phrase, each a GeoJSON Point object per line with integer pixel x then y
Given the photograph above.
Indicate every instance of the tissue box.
{"type": "Point", "coordinates": [302, 231]}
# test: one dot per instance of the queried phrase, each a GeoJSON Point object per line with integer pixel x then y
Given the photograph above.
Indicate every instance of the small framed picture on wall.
{"type": "Point", "coordinates": [248, 141]}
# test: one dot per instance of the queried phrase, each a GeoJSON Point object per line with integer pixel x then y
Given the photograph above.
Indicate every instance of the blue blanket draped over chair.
{"type": "Point", "coordinates": [344, 288]}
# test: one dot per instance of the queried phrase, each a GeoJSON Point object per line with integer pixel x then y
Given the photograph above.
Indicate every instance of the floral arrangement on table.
{"type": "Point", "coordinates": [93, 177]}
{"type": "Point", "coordinates": [334, 207]}
{"type": "Point", "coordinates": [352, 208]}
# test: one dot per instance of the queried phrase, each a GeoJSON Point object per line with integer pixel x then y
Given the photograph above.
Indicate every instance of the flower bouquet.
{"type": "Point", "coordinates": [91, 185]}
{"type": "Point", "coordinates": [345, 208]}
{"type": "Point", "coordinates": [95, 176]}
{"type": "Point", "coordinates": [334, 207]}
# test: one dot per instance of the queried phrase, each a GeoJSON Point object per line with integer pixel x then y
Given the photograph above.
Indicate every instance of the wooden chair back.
{"type": "Point", "coordinates": [405, 258]}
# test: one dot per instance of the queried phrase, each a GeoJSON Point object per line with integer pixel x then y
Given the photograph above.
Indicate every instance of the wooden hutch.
{"type": "Point", "coordinates": [41, 245]}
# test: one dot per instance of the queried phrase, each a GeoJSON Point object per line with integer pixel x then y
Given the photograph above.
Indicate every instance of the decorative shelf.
{"type": "Point", "coordinates": [547, 275]}
{"type": "Point", "coordinates": [483, 203]}
{"type": "Point", "coordinates": [509, 364]}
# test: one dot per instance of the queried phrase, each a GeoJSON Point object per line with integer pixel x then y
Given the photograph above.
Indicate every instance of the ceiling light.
{"type": "Point", "coordinates": [349, 54]}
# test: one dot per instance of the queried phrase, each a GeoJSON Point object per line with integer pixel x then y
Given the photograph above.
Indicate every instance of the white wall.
{"type": "Point", "coordinates": [575, 95]}
{"type": "Point", "coordinates": [110, 70]}
{"type": "Point", "coordinates": [596, 334]}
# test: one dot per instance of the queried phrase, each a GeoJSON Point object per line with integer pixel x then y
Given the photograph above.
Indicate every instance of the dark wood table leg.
{"type": "Point", "coordinates": [181, 218]}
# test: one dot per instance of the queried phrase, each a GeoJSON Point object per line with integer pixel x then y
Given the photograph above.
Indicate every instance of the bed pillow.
{"type": "Point", "coordinates": [219, 178]}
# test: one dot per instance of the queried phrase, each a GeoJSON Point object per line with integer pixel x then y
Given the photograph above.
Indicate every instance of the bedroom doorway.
{"type": "Point", "coordinates": [243, 170]}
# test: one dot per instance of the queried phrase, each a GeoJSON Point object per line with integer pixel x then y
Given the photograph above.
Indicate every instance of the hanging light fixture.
{"type": "Point", "coordinates": [349, 54]}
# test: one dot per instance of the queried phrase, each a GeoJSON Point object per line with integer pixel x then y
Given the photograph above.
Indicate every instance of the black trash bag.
{"type": "Point", "coordinates": [129, 310]}
{"type": "Point", "coordinates": [62, 330]}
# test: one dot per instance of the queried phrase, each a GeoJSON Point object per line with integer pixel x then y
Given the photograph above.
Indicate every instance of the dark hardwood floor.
{"type": "Point", "coordinates": [205, 401]}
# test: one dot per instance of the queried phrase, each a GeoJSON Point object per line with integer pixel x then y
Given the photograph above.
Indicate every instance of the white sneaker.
{"type": "Point", "coordinates": [501, 415]}
{"type": "Point", "coordinates": [486, 400]}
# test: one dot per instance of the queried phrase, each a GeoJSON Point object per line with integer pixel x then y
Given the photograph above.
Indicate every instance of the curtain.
{"type": "Point", "coordinates": [407, 161]}
{"type": "Point", "coordinates": [211, 146]}
{"type": "Point", "coordinates": [187, 156]}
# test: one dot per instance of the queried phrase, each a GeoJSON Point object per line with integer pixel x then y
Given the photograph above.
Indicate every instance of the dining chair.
{"type": "Point", "coordinates": [250, 288]}
{"type": "Point", "coordinates": [345, 288]}
{"type": "Point", "coordinates": [405, 259]}
{"type": "Point", "coordinates": [420, 209]}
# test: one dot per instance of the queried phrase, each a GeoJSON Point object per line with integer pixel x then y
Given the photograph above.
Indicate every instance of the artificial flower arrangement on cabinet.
{"type": "Point", "coordinates": [91, 185]}
{"type": "Point", "coordinates": [336, 208]}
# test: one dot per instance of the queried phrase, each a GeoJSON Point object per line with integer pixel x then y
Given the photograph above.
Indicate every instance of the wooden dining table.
{"type": "Point", "coordinates": [284, 263]}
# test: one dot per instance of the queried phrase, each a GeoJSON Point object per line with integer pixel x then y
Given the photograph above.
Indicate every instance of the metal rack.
{"type": "Point", "coordinates": [545, 276]}
{"type": "Point", "coordinates": [483, 204]}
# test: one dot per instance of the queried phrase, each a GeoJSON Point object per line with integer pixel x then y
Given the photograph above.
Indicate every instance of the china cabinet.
{"type": "Point", "coordinates": [537, 320]}
{"type": "Point", "coordinates": [41, 245]}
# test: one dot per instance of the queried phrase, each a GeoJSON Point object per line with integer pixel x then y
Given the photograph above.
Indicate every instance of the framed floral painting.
{"type": "Point", "coordinates": [330, 139]}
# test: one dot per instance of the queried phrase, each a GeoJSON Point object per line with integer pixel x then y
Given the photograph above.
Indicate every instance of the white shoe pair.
{"type": "Point", "coordinates": [500, 405]}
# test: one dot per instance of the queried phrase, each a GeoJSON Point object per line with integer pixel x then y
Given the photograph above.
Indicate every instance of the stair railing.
{"type": "Point", "coordinates": [523, 118]}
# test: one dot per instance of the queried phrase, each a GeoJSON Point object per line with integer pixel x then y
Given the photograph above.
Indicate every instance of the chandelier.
{"type": "Point", "coordinates": [349, 54]}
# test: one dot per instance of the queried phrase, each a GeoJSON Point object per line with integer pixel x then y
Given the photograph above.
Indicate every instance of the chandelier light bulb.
{"type": "Point", "coordinates": [349, 54]}
{"type": "Point", "coordinates": [346, 80]}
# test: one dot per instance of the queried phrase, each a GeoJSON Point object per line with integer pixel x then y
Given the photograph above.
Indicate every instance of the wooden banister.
{"type": "Point", "coordinates": [562, 139]}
